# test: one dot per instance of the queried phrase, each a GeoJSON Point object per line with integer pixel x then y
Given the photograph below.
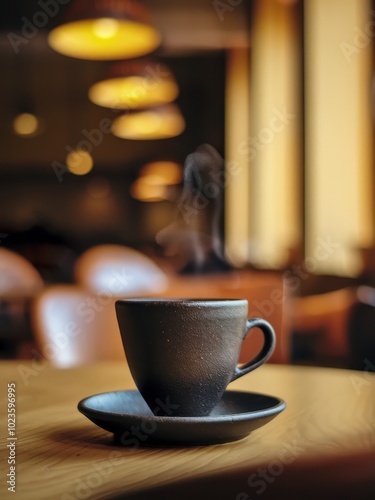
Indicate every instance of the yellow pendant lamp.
{"type": "Point", "coordinates": [105, 30]}
{"type": "Point", "coordinates": [162, 122]}
{"type": "Point", "coordinates": [155, 180]}
{"type": "Point", "coordinates": [135, 85]}
{"type": "Point", "coordinates": [168, 172]}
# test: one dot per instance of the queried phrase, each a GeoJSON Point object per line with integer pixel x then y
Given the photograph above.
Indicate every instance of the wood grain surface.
{"type": "Point", "coordinates": [322, 445]}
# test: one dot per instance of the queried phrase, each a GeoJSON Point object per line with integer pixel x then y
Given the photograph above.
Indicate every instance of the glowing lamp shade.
{"type": "Point", "coordinates": [79, 162]}
{"type": "Point", "coordinates": [135, 85]}
{"type": "Point", "coordinates": [157, 123]}
{"type": "Point", "coordinates": [169, 172]}
{"type": "Point", "coordinates": [105, 30]}
{"type": "Point", "coordinates": [155, 177]}
{"type": "Point", "coordinates": [149, 189]}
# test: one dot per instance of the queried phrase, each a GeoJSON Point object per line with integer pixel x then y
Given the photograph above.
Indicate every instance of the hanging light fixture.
{"type": "Point", "coordinates": [105, 30]}
{"type": "Point", "coordinates": [135, 85]}
{"type": "Point", "coordinates": [162, 122]}
{"type": "Point", "coordinates": [168, 172]}
{"type": "Point", "coordinates": [155, 179]}
{"type": "Point", "coordinates": [148, 189]}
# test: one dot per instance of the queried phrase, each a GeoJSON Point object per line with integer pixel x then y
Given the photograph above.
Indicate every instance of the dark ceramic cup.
{"type": "Point", "coordinates": [183, 353]}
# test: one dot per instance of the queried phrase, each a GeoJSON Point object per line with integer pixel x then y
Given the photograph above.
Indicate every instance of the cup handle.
{"type": "Point", "coordinates": [267, 349]}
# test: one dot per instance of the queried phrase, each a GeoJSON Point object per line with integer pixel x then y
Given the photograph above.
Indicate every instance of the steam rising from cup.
{"type": "Point", "coordinates": [196, 233]}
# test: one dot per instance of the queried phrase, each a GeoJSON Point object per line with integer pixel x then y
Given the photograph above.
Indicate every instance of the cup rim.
{"type": "Point", "coordinates": [181, 302]}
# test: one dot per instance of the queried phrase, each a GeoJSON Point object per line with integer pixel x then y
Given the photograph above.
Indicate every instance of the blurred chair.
{"type": "Point", "coordinates": [119, 271]}
{"type": "Point", "coordinates": [326, 315]}
{"type": "Point", "coordinates": [18, 278]}
{"type": "Point", "coordinates": [73, 326]}
{"type": "Point", "coordinates": [362, 330]}
{"type": "Point", "coordinates": [19, 282]}
{"type": "Point", "coordinates": [265, 293]}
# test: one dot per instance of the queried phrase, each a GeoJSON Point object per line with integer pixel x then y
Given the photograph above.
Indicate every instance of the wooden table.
{"type": "Point", "coordinates": [322, 446]}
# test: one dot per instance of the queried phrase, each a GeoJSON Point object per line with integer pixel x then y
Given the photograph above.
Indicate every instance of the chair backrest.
{"type": "Point", "coordinates": [362, 330]}
{"type": "Point", "coordinates": [18, 277]}
{"type": "Point", "coordinates": [119, 271]}
{"type": "Point", "coordinates": [327, 313]}
{"type": "Point", "coordinates": [265, 293]}
{"type": "Point", "coordinates": [73, 326]}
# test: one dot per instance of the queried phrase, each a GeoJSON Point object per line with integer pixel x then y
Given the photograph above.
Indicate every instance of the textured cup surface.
{"type": "Point", "coordinates": [183, 353]}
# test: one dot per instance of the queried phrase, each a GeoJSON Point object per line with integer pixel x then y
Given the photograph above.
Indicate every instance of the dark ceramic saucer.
{"type": "Point", "coordinates": [126, 414]}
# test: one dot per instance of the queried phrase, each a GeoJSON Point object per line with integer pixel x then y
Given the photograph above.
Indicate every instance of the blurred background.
{"type": "Point", "coordinates": [83, 210]}
{"type": "Point", "coordinates": [282, 89]}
